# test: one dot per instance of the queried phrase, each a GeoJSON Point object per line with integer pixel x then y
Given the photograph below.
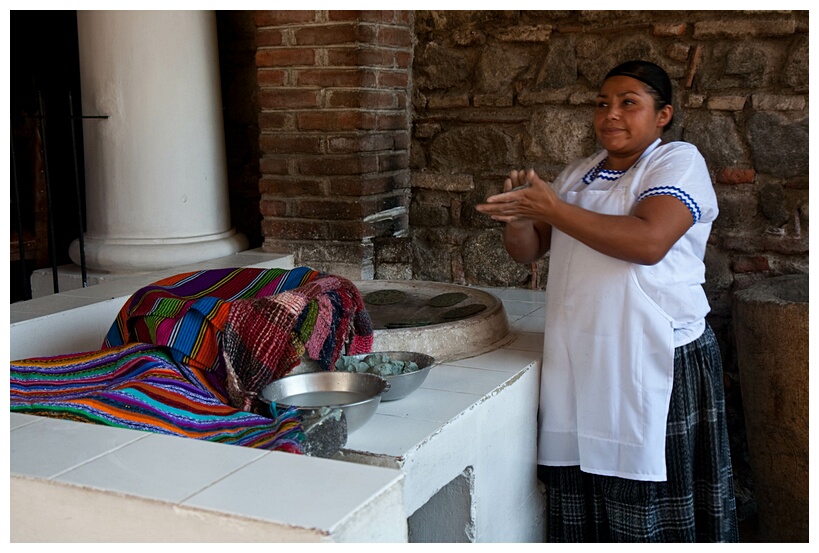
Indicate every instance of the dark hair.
{"type": "Point", "coordinates": [652, 75]}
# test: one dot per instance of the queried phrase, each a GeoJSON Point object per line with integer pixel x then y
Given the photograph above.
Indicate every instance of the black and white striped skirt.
{"type": "Point", "coordinates": [695, 504]}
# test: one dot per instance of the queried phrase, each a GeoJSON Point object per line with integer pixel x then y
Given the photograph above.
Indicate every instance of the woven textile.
{"type": "Point", "coordinates": [245, 327]}
{"type": "Point", "coordinates": [264, 338]}
{"type": "Point", "coordinates": [696, 504]}
{"type": "Point", "coordinates": [186, 312]}
{"type": "Point", "coordinates": [140, 386]}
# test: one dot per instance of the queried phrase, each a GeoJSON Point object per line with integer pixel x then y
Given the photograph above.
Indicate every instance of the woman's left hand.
{"type": "Point", "coordinates": [524, 196]}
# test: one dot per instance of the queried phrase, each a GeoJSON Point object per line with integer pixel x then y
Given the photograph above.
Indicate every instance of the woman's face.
{"type": "Point", "coordinates": [625, 120]}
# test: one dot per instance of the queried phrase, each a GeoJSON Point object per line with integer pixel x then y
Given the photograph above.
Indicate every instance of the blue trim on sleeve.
{"type": "Point", "coordinates": [677, 193]}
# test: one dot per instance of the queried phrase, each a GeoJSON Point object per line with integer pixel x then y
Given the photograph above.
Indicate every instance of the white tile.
{"type": "Point", "coordinates": [508, 360]}
{"type": "Point", "coordinates": [390, 435]}
{"type": "Point", "coordinates": [50, 304]}
{"type": "Point", "coordinates": [464, 379]}
{"type": "Point", "coordinates": [52, 446]}
{"type": "Point", "coordinates": [430, 405]}
{"type": "Point", "coordinates": [529, 323]}
{"type": "Point", "coordinates": [299, 490]}
{"type": "Point", "coordinates": [522, 294]}
{"type": "Point", "coordinates": [519, 309]}
{"type": "Point", "coordinates": [168, 468]}
{"type": "Point", "coordinates": [528, 341]}
{"type": "Point", "coordinates": [18, 420]}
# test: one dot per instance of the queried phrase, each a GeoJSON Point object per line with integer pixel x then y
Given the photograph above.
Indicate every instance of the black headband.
{"type": "Point", "coordinates": [647, 73]}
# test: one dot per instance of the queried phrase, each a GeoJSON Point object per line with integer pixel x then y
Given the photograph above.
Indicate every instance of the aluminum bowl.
{"type": "Point", "coordinates": [402, 385]}
{"type": "Point", "coordinates": [356, 394]}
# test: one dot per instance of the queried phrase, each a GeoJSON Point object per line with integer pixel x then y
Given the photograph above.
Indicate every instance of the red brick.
{"type": "Point", "coordinates": [365, 143]}
{"type": "Point", "coordinates": [269, 37]}
{"type": "Point", "coordinates": [735, 175]}
{"type": "Point", "coordinates": [285, 57]}
{"type": "Point", "coordinates": [332, 77]}
{"type": "Point", "coordinates": [273, 166]}
{"type": "Point", "coordinates": [330, 208]}
{"type": "Point", "coordinates": [274, 120]}
{"type": "Point", "coordinates": [321, 35]}
{"type": "Point", "coordinates": [403, 59]}
{"type": "Point", "coordinates": [273, 208]}
{"type": "Point", "coordinates": [336, 121]}
{"type": "Point", "coordinates": [283, 17]}
{"type": "Point", "coordinates": [389, 121]}
{"type": "Point", "coordinates": [348, 230]}
{"type": "Point", "coordinates": [360, 186]}
{"type": "Point", "coordinates": [289, 143]}
{"type": "Point", "coordinates": [343, 15]}
{"type": "Point", "coordinates": [290, 186]}
{"type": "Point", "coordinates": [366, 99]}
{"type": "Point", "coordinates": [288, 98]}
{"type": "Point", "coordinates": [751, 264]}
{"type": "Point", "coordinates": [356, 56]}
{"type": "Point", "coordinates": [289, 229]}
{"type": "Point", "coordinates": [338, 165]}
{"type": "Point", "coordinates": [270, 77]}
{"type": "Point", "coordinates": [401, 140]}
{"type": "Point", "coordinates": [393, 79]}
{"type": "Point", "coordinates": [393, 161]}
{"type": "Point", "coordinates": [395, 36]}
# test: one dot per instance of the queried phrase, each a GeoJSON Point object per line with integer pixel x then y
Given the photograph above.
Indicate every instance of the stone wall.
{"type": "Point", "coordinates": [497, 90]}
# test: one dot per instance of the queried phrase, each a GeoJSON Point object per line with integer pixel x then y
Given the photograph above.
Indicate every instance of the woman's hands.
{"type": "Point", "coordinates": [524, 196]}
{"type": "Point", "coordinates": [523, 205]}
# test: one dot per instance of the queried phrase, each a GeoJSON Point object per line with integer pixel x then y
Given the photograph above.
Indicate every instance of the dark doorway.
{"type": "Point", "coordinates": [44, 75]}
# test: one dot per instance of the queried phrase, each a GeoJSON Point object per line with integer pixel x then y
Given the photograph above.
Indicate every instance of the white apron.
{"type": "Point", "coordinates": [608, 358]}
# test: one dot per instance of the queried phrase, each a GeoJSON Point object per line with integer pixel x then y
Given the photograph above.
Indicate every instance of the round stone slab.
{"type": "Point", "coordinates": [447, 300]}
{"type": "Point", "coordinates": [385, 297]}
{"type": "Point", "coordinates": [463, 312]}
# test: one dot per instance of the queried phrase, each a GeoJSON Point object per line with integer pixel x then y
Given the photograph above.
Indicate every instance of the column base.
{"type": "Point", "coordinates": [140, 255]}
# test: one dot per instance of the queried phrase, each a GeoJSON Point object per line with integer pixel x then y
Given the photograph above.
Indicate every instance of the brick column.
{"type": "Point", "coordinates": [334, 122]}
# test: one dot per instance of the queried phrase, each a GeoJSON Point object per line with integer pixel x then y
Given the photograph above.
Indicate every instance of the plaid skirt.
{"type": "Point", "coordinates": [695, 504]}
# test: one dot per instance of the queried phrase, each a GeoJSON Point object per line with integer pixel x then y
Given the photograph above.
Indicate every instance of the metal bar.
{"type": "Point", "coordinates": [21, 243]}
{"type": "Point", "coordinates": [79, 195]}
{"type": "Point", "coordinates": [51, 241]}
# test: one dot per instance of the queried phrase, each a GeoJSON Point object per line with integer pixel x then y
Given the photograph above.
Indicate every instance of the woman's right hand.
{"type": "Point", "coordinates": [523, 205]}
{"type": "Point", "coordinates": [524, 196]}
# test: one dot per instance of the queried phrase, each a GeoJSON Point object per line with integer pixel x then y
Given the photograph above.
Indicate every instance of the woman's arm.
{"type": "Point", "coordinates": [643, 237]}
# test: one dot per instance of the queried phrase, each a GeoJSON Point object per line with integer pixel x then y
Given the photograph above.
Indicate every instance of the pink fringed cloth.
{"type": "Point", "coordinates": [264, 338]}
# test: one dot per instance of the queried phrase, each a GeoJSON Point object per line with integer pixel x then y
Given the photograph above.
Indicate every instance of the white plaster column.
{"type": "Point", "coordinates": [155, 170]}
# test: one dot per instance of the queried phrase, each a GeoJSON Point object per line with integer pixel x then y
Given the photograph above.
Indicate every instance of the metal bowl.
{"type": "Point", "coordinates": [402, 385]}
{"type": "Point", "coordinates": [356, 394]}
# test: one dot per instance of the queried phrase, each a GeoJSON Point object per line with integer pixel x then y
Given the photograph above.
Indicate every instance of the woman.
{"type": "Point", "coordinates": [632, 432]}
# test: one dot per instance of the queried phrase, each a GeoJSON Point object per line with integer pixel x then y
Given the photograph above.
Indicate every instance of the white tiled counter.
{"type": "Point", "coordinates": [457, 457]}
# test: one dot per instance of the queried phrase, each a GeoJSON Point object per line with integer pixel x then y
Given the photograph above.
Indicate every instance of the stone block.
{"type": "Point", "coordinates": [779, 146]}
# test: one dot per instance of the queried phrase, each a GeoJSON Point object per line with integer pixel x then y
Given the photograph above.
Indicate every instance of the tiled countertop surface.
{"type": "Point", "coordinates": [238, 480]}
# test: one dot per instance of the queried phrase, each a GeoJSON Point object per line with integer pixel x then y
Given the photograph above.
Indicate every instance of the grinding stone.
{"type": "Point", "coordinates": [463, 312]}
{"type": "Point", "coordinates": [447, 300]}
{"type": "Point", "coordinates": [385, 297]}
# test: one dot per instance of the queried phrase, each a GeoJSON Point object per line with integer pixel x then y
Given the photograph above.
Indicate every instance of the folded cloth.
{"type": "Point", "coordinates": [139, 386]}
{"type": "Point", "coordinates": [264, 338]}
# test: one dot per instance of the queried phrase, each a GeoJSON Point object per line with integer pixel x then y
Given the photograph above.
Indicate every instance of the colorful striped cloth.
{"type": "Point", "coordinates": [139, 386]}
{"type": "Point", "coordinates": [186, 312]}
{"type": "Point", "coordinates": [245, 327]}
